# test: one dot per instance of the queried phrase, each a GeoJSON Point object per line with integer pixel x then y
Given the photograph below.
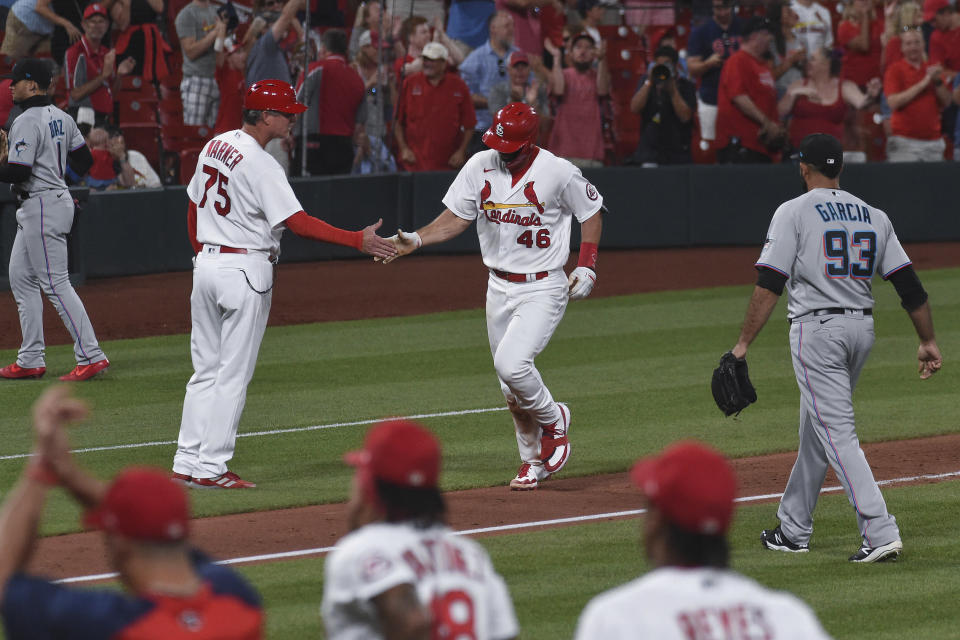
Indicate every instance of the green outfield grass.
{"type": "Point", "coordinates": [635, 371]}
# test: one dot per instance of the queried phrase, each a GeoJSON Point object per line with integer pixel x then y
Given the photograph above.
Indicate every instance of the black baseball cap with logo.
{"type": "Point", "coordinates": [823, 152]}
{"type": "Point", "coordinates": [31, 69]}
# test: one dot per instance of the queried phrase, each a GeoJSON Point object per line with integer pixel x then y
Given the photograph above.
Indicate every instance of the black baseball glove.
{"type": "Point", "coordinates": [732, 389]}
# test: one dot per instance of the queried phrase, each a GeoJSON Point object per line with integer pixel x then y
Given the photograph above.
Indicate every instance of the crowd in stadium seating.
{"type": "Point", "coordinates": [411, 85]}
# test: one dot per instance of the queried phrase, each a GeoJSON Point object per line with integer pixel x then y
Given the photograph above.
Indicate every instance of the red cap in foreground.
{"type": "Point", "coordinates": [400, 452]}
{"type": "Point", "coordinates": [143, 504]}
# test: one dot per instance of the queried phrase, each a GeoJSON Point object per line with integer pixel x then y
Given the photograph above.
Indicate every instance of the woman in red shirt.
{"type": "Point", "coordinates": [904, 16]}
{"type": "Point", "coordinates": [859, 34]}
{"type": "Point", "coordinates": [818, 103]}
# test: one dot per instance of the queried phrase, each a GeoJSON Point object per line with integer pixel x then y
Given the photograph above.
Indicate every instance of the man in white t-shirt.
{"type": "Point", "coordinates": [814, 26]}
{"type": "Point", "coordinates": [691, 592]}
{"type": "Point", "coordinates": [401, 572]}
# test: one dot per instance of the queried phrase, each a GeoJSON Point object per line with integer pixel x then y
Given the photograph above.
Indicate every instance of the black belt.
{"type": "Point", "coordinates": [833, 311]}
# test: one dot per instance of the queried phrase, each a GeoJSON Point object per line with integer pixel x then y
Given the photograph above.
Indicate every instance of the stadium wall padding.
{"type": "Point", "coordinates": [140, 232]}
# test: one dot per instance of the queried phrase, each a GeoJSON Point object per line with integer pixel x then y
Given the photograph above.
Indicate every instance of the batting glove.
{"type": "Point", "coordinates": [581, 282]}
{"type": "Point", "coordinates": [405, 242]}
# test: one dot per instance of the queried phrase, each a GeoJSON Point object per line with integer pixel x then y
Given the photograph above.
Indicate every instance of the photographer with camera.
{"type": "Point", "coordinates": [748, 125]}
{"type": "Point", "coordinates": [665, 102]}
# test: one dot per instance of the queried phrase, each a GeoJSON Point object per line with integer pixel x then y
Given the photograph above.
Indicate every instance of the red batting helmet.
{"type": "Point", "coordinates": [272, 95]}
{"type": "Point", "coordinates": [514, 126]}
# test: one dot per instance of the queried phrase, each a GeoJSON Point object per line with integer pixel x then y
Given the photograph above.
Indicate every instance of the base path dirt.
{"type": "Point", "coordinates": [322, 525]}
{"type": "Point", "coordinates": [141, 306]}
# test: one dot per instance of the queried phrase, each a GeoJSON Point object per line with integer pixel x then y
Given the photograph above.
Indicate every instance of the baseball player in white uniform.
{"type": "Point", "coordinates": [240, 203]}
{"type": "Point", "coordinates": [825, 246]}
{"type": "Point", "coordinates": [401, 572]}
{"type": "Point", "coordinates": [523, 199]}
{"type": "Point", "coordinates": [691, 594]}
{"type": "Point", "coordinates": [40, 140]}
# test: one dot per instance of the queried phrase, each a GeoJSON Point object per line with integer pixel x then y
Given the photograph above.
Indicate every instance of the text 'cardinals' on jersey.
{"type": "Point", "coordinates": [520, 231]}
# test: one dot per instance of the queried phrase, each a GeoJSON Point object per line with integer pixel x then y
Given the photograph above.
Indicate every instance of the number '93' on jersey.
{"type": "Point", "coordinates": [524, 227]}
{"type": "Point", "coordinates": [829, 243]}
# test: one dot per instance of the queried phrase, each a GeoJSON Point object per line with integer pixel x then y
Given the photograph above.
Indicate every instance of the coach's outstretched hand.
{"type": "Point", "coordinates": [405, 242]}
{"type": "Point", "coordinates": [376, 246]}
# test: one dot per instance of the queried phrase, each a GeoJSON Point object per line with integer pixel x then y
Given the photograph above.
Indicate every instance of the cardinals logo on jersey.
{"type": "Point", "coordinates": [493, 211]}
{"type": "Point", "coordinates": [531, 196]}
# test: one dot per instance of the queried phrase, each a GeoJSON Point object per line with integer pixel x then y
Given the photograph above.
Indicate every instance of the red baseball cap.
{"type": "Point", "coordinates": [692, 485]}
{"type": "Point", "coordinates": [143, 504]}
{"type": "Point", "coordinates": [932, 7]}
{"type": "Point", "coordinates": [400, 452]}
{"type": "Point", "coordinates": [95, 9]}
{"type": "Point", "coordinates": [518, 57]}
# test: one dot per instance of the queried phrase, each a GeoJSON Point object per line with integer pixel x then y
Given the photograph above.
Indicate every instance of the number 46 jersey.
{"type": "Point", "coordinates": [453, 576]}
{"type": "Point", "coordinates": [241, 193]}
{"type": "Point", "coordinates": [829, 243]}
{"type": "Point", "coordinates": [523, 225]}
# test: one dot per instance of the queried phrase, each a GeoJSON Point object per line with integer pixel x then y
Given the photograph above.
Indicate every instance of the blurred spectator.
{"type": "Point", "coordinates": [132, 167]}
{"type": "Point", "coordinates": [689, 493]}
{"type": "Point", "coordinates": [268, 32]}
{"type": "Point", "coordinates": [467, 22]}
{"type": "Point", "coordinates": [916, 92]}
{"type": "Point", "coordinates": [71, 12]}
{"type": "Point", "coordinates": [334, 94]}
{"type": "Point", "coordinates": [374, 156]}
{"type": "Point", "coordinates": [486, 66]}
{"type": "Point", "coordinates": [814, 25]}
{"type": "Point", "coordinates": [414, 35]}
{"type": "Point", "coordinates": [6, 102]}
{"type": "Point", "coordinates": [709, 47]}
{"type": "Point", "coordinates": [140, 37]}
{"type": "Point", "coordinates": [102, 174]}
{"type": "Point", "coordinates": [174, 591]}
{"type": "Point", "coordinates": [368, 20]}
{"type": "Point", "coordinates": [198, 27]}
{"type": "Point", "coordinates": [945, 40]}
{"type": "Point", "coordinates": [669, 39]}
{"type": "Point", "coordinates": [818, 103]}
{"type": "Point", "coordinates": [902, 17]}
{"type": "Point", "coordinates": [859, 34]}
{"type": "Point", "coordinates": [435, 116]}
{"type": "Point", "coordinates": [232, 84]}
{"type": "Point", "coordinates": [788, 53]}
{"type": "Point", "coordinates": [432, 10]}
{"type": "Point", "coordinates": [577, 133]}
{"type": "Point", "coordinates": [666, 103]}
{"type": "Point", "coordinates": [91, 68]}
{"type": "Point", "coordinates": [520, 86]}
{"type": "Point", "coordinates": [28, 29]}
{"type": "Point", "coordinates": [748, 127]}
{"type": "Point", "coordinates": [591, 15]}
{"type": "Point", "coordinates": [528, 34]}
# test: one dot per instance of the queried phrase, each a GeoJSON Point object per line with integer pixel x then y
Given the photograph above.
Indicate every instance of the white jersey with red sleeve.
{"type": "Point", "coordinates": [697, 604]}
{"type": "Point", "coordinates": [523, 225]}
{"type": "Point", "coordinates": [830, 243]}
{"type": "Point", "coordinates": [242, 194]}
{"type": "Point", "coordinates": [453, 576]}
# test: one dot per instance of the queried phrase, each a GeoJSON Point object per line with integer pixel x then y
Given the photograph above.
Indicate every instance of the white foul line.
{"type": "Point", "coordinates": [521, 525]}
{"type": "Point", "coordinates": [273, 432]}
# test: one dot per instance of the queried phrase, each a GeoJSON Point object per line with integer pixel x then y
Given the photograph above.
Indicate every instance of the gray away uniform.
{"type": "Point", "coordinates": [829, 244]}
{"type": "Point", "coordinates": [40, 138]}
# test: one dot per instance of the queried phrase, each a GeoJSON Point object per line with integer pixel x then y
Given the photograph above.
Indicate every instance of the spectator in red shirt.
{"type": "Point", "coordinates": [818, 103]}
{"type": "Point", "coordinates": [902, 17]}
{"type": "Point", "coordinates": [916, 93]}
{"type": "Point", "coordinates": [859, 34]}
{"type": "Point", "coordinates": [748, 125]}
{"type": "Point", "coordinates": [231, 68]}
{"type": "Point", "coordinates": [414, 34]}
{"type": "Point", "coordinates": [91, 67]}
{"type": "Point", "coordinates": [435, 116]}
{"type": "Point", "coordinates": [577, 133]}
{"type": "Point", "coordinates": [334, 94]}
{"type": "Point", "coordinates": [945, 39]}
{"type": "Point", "coordinates": [528, 33]}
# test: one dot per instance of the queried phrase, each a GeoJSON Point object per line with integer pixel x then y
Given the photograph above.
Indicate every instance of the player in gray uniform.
{"type": "Point", "coordinates": [828, 244]}
{"type": "Point", "coordinates": [40, 140]}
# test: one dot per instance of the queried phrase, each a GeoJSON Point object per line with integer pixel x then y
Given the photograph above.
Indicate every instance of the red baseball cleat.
{"type": "Point", "coordinates": [228, 480]}
{"type": "Point", "coordinates": [182, 478]}
{"type": "Point", "coordinates": [16, 372]}
{"type": "Point", "coordinates": [86, 371]}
